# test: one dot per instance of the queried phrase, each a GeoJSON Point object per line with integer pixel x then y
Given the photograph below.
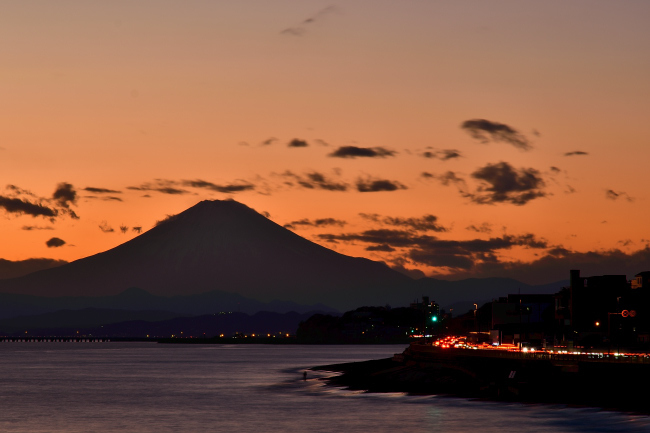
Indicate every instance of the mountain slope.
{"type": "Point", "coordinates": [222, 245]}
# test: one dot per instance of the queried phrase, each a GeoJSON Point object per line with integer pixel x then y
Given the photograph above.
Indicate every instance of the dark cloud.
{"type": "Point", "coordinates": [124, 229]}
{"type": "Point", "coordinates": [15, 269]}
{"type": "Point", "coordinates": [30, 228]}
{"type": "Point", "coordinates": [501, 183]}
{"type": "Point", "coordinates": [361, 152]}
{"type": "Point", "coordinates": [615, 195]}
{"type": "Point", "coordinates": [55, 243]}
{"type": "Point", "coordinates": [22, 207]}
{"type": "Point", "coordinates": [431, 251]}
{"type": "Point", "coordinates": [443, 155]}
{"type": "Point", "coordinates": [321, 222]}
{"type": "Point", "coordinates": [15, 202]}
{"type": "Point", "coordinates": [576, 152]}
{"type": "Point", "coordinates": [137, 229]}
{"type": "Point", "coordinates": [104, 227]}
{"type": "Point", "coordinates": [95, 190]}
{"type": "Point", "coordinates": [425, 223]}
{"type": "Point", "coordinates": [162, 186]}
{"type": "Point", "coordinates": [315, 180]}
{"type": "Point", "coordinates": [228, 188]}
{"type": "Point", "coordinates": [376, 185]}
{"type": "Point", "coordinates": [555, 265]}
{"type": "Point", "coordinates": [427, 175]}
{"type": "Point", "coordinates": [64, 195]}
{"type": "Point", "coordinates": [485, 130]}
{"type": "Point", "coordinates": [297, 143]}
{"type": "Point", "coordinates": [555, 169]}
{"type": "Point", "coordinates": [383, 247]}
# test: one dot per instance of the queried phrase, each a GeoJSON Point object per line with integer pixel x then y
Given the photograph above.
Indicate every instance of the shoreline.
{"type": "Point", "coordinates": [606, 386]}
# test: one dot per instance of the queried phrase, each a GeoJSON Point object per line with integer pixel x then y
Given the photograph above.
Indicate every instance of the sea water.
{"type": "Point", "coordinates": [148, 387]}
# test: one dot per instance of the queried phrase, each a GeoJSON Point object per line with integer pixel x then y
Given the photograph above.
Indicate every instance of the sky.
{"type": "Point", "coordinates": [448, 139]}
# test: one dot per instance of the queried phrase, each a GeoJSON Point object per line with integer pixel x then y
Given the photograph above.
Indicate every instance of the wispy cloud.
{"type": "Point", "coordinates": [320, 222]}
{"type": "Point", "coordinates": [576, 153]}
{"type": "Point", "coordinates": [615, 195]}
{"type": "Point", "coordinates": [301, 30]}
{"type": "Point", "coordinates": [443, 154]}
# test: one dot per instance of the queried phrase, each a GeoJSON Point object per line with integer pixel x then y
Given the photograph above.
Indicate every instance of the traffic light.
{"type": "Point", "coordinates": [434, 318]}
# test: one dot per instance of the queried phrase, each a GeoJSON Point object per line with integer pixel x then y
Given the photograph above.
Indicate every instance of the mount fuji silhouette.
{"type": "Point", "coordinates": [229, 247]}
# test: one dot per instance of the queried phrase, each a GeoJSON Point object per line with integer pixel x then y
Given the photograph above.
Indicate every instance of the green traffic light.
{"type": "Point", "coordinates": [434, 318]}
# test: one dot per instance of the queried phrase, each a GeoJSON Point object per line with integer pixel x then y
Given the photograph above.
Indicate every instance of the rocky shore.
{"type": "Point", "coordinates": [616, 385]}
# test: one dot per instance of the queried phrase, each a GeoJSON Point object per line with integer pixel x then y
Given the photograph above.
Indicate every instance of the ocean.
{"type": "Point", "coordinates": [148, 387]}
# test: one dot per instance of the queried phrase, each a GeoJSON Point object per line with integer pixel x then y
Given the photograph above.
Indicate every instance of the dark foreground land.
{"type": "Point", "coordinates": [618, 385]}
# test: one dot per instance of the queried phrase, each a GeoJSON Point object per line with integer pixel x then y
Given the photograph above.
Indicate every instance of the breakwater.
{"type": "Point", "coordinates": [613, 382]}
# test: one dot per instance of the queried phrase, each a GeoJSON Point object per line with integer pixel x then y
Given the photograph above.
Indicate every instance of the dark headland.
{"type": "Point", "coordinates": [609, 382]}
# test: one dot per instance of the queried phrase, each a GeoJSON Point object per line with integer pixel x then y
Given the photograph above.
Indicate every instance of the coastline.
{"type": "Point", "coordinates": [467, 374]}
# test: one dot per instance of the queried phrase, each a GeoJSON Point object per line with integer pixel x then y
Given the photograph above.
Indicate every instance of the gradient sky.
{"type": "Point", "coordinates": [458, 139]}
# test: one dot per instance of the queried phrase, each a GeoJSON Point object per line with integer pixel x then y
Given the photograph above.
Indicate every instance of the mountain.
{"type": "Point", "coordinates": [134, 299]}
{"type": "Point", "coordinates": [223, 246]}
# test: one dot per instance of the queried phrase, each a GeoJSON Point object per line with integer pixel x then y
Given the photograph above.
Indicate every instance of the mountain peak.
{"type": "Point", "coordinates": [222, 245]}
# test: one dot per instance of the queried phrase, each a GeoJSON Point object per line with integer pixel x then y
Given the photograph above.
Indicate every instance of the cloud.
{"type": "Point", "coordinates": [449, 178]}
{"type": "Point", "coordinates": [64, 195]}
{"type": "Point", "coordinates": [55, 243]}
{"type": "Point", "coordinates": [163, 186]}
{"type": "Point", "coordinates": [555, 169]}
{"type": "Point", "coordinates": [424, 223]}
{"type": "Point", "coordinates": [321, 142]}
{"type": "Point", "coordinates": [321, 222]}
{"type": "Point", "coordinates": [95, 190]}
{"type": "Point", "coordinates": [228, 188]}
{"type": "Point", "coordinates": [431, 251]}
{"type": "Point", "coordinates": [296, 142]}
{"type": "Point", "coordinates": [483, 228]}
{"type": "Point", "coordinates": [301, 30]}
{"type": "Point", "coordinates": [269, 141]}
{"type": "Point", "coordinates": [315, 180]}
{"type": "Point", "coordinates": [137, 229]}
{"type": "Point", "coordinates": [485, 130]}
{"type": "Point", "coordinates": [15, 202]}
{"type": "Point", "coordinates": [124, 229]}
{"type": "Point", "coordinates": [383, 247]}
{"type": "Point", "coordinates": [30, 228]}
{"type": "Point", "coordinates": [555, 265]}
{"type": "Point", "coordinates": [501, 183]}
{"type": "Point", "coordinates": [104, 227]}
{"type": "Point", "coordinates": [376, 185]}
{"type": "Point", "coordinates": [18, 206]}
{"type": "Point", "coordinates": [443, 155]}
{"type": "Point", "coordinates": [361, 152]}
{"type": "Point", "coordinates": [576, 152]}
{"type": "Point", "coordinates": [615, 195]}
{"type": "Point", "coordinates": [14, 269]}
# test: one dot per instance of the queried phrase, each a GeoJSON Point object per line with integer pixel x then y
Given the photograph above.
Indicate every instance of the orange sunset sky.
{"type": "Point", "coordinates": [453, 139]}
